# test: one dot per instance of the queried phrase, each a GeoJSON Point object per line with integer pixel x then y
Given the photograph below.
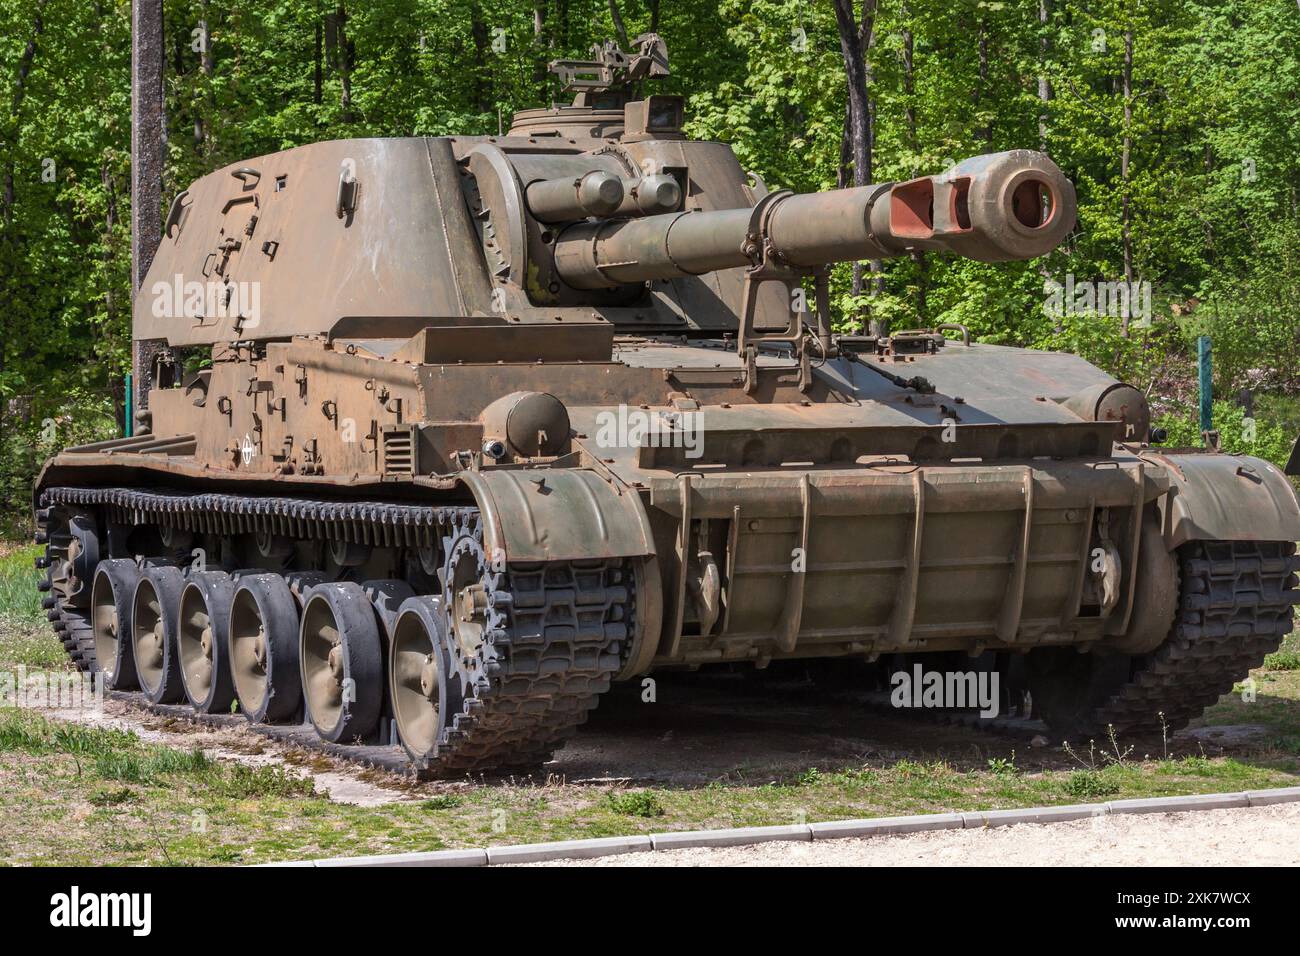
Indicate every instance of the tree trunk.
{"type": "Point", "coordinates": [857, 144]}
{"type": "Point", "coordinates": [206, 66]}
{"type": "Point", "coordinates": [1044, 85]}
{"type": "Point", "coordinates": [541, 47]}
{"type": "Point", "coordinates": [317, 71]}
{"type": "Point", "coordinates": [1125, 201]}
{"type": "Point", "coordinates": [479, 34]}
{"type": "Point", "coordinates": [147, 132]}
{"type": "Point", "coordinates": [909, 90]}
{"type": "Point", "coordinates": [619, 28]}
{"type": "Point", "coordinates": [984, 75]}
{"type": "Point", "coordinates": [110, 297]}
{"type": "Point", "coordinates": [344, 53]}
{"type": "Point", "coordinates": [20, 92]}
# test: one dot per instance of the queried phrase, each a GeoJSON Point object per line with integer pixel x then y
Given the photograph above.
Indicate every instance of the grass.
{"type": "Point", "coordinates": [110, 754]}
{"type": "Point", "coordinates": [19, 599]}
{"type": "Point", "coordinates": [635, 803]}
{"type": "Point", "coordinates": [1282, 661]}
{"type": "Point", "coordinates": [27, 639]}
{"type": "Point", "coordinates": [83, 795]}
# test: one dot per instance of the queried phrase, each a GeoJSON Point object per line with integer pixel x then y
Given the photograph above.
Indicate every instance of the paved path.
{"type": "Point", "coordinates": [1266, 836]}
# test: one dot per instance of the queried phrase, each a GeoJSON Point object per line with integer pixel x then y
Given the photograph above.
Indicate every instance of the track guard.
{"type": "Point", "coordinates": [573, 515]}
{"type": "Point", "coordinates": [1226, 498]}
{"type": "Point", "coordinates": [558, 515]}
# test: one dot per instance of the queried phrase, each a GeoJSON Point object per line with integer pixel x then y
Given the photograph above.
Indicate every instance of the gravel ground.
{"type": "Point", "coordinates": [1258, 836]}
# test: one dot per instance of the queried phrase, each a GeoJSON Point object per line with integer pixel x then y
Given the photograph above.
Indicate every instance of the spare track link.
{"type": "Point", "coordinates": [1235, 607]}
{"type": "Point", "coordinates": [562, 630]}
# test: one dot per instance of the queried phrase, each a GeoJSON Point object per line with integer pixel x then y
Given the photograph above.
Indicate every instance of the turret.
{"type": "Point", "coordinates": [586, 219]}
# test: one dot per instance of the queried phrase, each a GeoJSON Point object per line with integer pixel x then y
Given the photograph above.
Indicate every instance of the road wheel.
{"type": "Point", "coordinates": [111, 602]}
{"type": "Point", "coordinates": [340, 656]}
{"type": "Point", "coordinates": [155, 612]}
{"type": "Point", "coordinates": [263, 642]}
{"type": "Point", "coordinates": [201, 639]}
{"type": "Point", "coordinates": [417, 667]}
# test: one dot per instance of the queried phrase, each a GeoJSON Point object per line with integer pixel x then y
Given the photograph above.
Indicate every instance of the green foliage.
{"type": "Point", "coordinates": [1205, 209]}
{"type": "Point", "coordinates": [1282, 661]}
{"type": "Point", "coordinates": [1237, 433]}
{"type": "Point", "coordinates": [810, 777]}
{"type": "Point", "coordinates": [443, 801]}
{"type": "Point", "coordinates": [1003, 766]}
{"type": "Point", "coordinates": [635, 803]}
{"type": "Point", "coordinates": [19, 600]}
{"type": "Point", "coordinates": [1089, 784]}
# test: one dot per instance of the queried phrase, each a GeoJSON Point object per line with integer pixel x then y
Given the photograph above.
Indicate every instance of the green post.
{"type": "Point", "coordinates": [1204, 364]}
{"type": "Point", "coordinates": [130, 406]}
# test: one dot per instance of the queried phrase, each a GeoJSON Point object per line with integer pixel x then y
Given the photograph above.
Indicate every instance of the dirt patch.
{"type": "Point", "coordinates": [342, 783]}
{"type": "Point", "coordinates": [699, 732]}
{"type": "Point", "coordinates": [1229, 735]}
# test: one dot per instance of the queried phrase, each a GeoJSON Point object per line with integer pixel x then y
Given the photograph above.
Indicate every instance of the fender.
{"type": "Point", "coordinates": [572, 515]}
{"type": "Point", "coordinates": [1220, 497]}
{"type": "Point", "coordinates": [558, 515]}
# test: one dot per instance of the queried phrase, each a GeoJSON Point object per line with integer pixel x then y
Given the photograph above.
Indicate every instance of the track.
{"type": "Point", "coordinates": [1235, 607]}
{"type": "Point", "coordinates": [551, 643]}
{"type": "Point", "coordinates": [529, 648]}
{"type": "Point", "coordinates": [547, 639]}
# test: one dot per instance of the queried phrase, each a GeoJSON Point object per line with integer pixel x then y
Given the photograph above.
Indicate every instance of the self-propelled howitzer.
{"type": "Point", "coordinates": [435, 438]}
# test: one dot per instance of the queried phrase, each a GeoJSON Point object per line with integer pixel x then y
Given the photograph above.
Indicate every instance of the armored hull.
{"type": "Point", "coordinates": [440, 437]}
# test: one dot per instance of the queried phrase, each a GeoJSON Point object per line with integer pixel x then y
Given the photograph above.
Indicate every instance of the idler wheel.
{"type": "Point", "coordinates": [341, 660]}
{"type": "Point", "coordinates": [418, 664]}
{"type": "Point", "coordinates": [155, 612]}
{"type": "Point", "coordinates": [201, 638]}
{"type": "Point", "coordinates": [263, 642]}
{"type": "Point", "coordinates": [111, 601]}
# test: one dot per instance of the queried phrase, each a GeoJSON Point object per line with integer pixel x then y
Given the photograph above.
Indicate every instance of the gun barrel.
{"type": "Point", "coordinates": [994, 208]}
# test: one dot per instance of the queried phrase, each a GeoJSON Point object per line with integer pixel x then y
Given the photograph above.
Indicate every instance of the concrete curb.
{"type": "Point", "coordinates": [742, 836]}
{"type": "Point", "coordinates": [833, 830]}
{"type": "Point", "coordinates": [567, 850]}
{"type": "Point", "coordinates": [884, 826]}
